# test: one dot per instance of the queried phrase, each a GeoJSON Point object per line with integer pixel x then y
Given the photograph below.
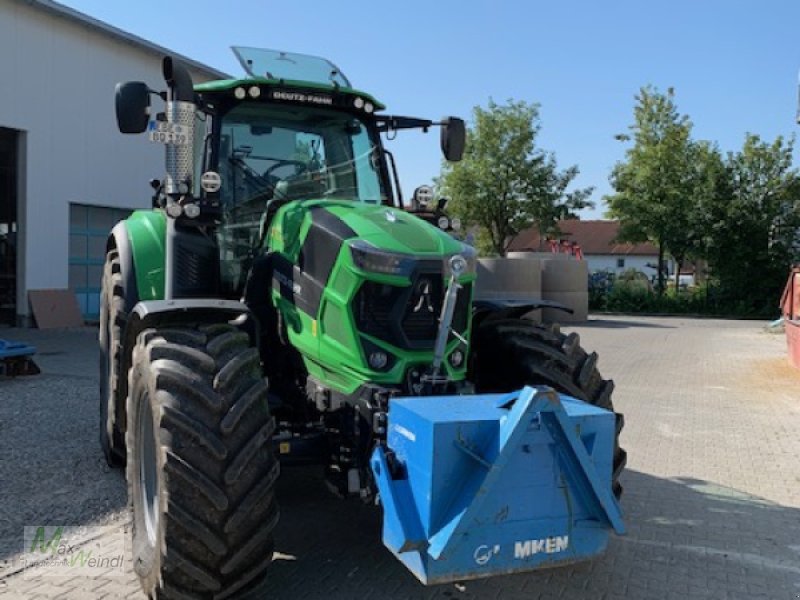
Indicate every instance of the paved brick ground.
{"type": "Point", "coordinates": [712, 492]}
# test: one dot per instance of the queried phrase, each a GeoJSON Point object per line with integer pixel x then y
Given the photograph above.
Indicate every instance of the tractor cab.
{"type": "Point", "coordinates": [293, 130]}
{"type": "Point", "coordinates": [240, 149]}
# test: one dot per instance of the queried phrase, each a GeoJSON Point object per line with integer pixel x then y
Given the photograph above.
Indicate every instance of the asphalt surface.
{"type": "Point", "coordinates": [712, 489]}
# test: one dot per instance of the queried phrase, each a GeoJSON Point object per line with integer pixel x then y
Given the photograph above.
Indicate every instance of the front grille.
{"type": "Point", "coordinates": [374, 304]}
{"type": "Point", "coordinates": [408, 317]}
{"type": "Point", "coordinates": [196, 267]}
{"type": "Point", "coordinates": [422, 308]}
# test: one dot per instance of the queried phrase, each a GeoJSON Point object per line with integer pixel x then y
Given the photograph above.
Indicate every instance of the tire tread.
{"type": "Point", "coordinates": [112, 323]}
{"type": "Point", "coordinates": [219, 468]}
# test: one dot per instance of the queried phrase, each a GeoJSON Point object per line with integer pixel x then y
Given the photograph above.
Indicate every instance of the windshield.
{"type": "Point", "coordinates": [270, 155]}
{"type": "Point", "coordinates": [294, 153]}
{"type": "Point", "coordinates": [274, 64]}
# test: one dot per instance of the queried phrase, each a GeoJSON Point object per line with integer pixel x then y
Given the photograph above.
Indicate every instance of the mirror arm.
{"type": "Point", "coordinates": [394, 123]}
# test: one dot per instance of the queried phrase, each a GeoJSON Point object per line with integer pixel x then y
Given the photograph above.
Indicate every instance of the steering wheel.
{"type": "Point", "coordinates": [300, 167]}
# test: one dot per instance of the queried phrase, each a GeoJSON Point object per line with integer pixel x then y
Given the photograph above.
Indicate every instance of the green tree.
{"type": "Point", "coordinates": [505, 183]}
{"type": "Point", "coordinates": [655, 184]}
{"type": "Point", "coordinates": [711, 189]}
{"type": "Point", "coordinates": [751, 224]}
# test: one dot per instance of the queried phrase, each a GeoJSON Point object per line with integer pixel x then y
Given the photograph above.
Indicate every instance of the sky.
{"type": "Point", "coordinates": [733, 63]}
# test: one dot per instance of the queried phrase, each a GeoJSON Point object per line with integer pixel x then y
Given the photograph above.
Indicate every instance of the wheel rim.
{"type": "Point", "coordinates": [148, 469]}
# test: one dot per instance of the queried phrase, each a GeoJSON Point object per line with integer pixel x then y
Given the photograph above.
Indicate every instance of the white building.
{"type": "Point", "coordinates": [617, 263]}
{"type": "Point", "coordinates": [66, 173]}
{"type": "Point", "coordinates": [600, 248]}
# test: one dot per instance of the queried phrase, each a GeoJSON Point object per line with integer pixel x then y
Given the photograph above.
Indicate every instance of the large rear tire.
{"type": "Point", "coordinates": [508, 354]}
{"type": "Point", "coordinates": [112, 323]}
{"type": "Point", "coordinates": [201, 471]}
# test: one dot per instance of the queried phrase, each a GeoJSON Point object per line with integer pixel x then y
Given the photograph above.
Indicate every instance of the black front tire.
{"type": "Point", "coordinates": [508, 354]}
{"type": "Point", "coordinates": [112, 323]}
{"type": "Point", "coordinates": [201, 471]}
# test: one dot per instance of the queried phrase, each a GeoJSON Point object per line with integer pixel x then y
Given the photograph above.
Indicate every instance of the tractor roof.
{"type": "Point", "coordinates": [223, 85]}
{"type": "Point", "coordinates": [287, 69]}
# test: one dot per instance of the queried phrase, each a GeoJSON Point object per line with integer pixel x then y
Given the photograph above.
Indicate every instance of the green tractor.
{"type": "Point", "coordinates": [271, 306]}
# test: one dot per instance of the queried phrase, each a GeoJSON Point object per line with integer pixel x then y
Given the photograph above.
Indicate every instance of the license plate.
{"type": "Point", "coordinates": [162, 132]}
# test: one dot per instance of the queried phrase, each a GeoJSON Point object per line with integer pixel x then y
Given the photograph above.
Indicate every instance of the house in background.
{"type": "Point", "coordinates": [601, 250]}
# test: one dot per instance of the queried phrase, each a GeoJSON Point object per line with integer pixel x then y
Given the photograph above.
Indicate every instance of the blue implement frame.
{"type": "Point", "coordinates": [474, 486]}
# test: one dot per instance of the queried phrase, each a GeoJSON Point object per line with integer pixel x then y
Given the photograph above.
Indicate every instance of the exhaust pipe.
{"type": "Point", "coordinates": [180, 110]}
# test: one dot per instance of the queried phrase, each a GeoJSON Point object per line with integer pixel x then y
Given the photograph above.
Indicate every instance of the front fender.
{"type": "Point", "coordinates": [158, 313]}
{"type": "Point", "coordinates": [147, 230]}
{"type": "Point", "coordinates": [161, 313]}
{"type": "Point", "coordinates": [119, 240]}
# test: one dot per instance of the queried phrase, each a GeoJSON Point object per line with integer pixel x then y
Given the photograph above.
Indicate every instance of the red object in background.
{"type": "Point", "coordinates": [790, 309]}
{"type": "Point", "coordinates": [566, 247]}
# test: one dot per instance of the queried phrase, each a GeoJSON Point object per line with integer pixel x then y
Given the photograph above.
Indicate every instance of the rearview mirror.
{"type": "Point", "coordinates": [133, 106]}
{"type": "Point", "coordinates": [454, 137]}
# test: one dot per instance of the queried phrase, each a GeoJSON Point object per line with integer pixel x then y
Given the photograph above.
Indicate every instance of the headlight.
{"type": "Point", "coordinates": [379, 360]}
{"type": "Point", "coordinates": [462, 262]}
{"type": "Point", "coordinates": [192, 210]}
{"type": "Point", "coordinates": [458, 265]}
{"type": "Point", "coordinates": [369, 258]}
{"type": "Point", "coordinates": [174, 210]}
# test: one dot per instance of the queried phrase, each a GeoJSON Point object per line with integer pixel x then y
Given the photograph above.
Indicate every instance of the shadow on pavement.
{"type": "Point", "coordinates": [686, 536]}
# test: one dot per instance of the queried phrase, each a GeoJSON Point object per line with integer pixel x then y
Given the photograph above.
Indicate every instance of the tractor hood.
{"type": "Point", "coordinates": [352, 279]}
{"type": "Point", "coordinates": [393, 229]}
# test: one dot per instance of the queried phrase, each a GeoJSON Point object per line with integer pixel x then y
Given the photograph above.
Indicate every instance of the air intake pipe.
{"type": "Point", "coordinates": [180, 110]}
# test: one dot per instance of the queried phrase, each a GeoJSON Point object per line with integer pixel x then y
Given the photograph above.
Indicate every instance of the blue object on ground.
{"type": "Point", "coordinates": [15, 359]}
{"type": "Point", "coordinates": [474, 486]}
{"type": "Point", "coordinates": [9, 349]}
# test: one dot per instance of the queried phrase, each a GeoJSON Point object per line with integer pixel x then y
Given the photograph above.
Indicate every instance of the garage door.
{"type": "Point", "coordinates": [88, 231]}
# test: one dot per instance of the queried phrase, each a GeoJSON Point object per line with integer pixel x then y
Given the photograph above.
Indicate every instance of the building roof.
{"type": "Point", "coordinates": [594, 237]}
{"type": "Point", "coordinates": [74, 16]}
